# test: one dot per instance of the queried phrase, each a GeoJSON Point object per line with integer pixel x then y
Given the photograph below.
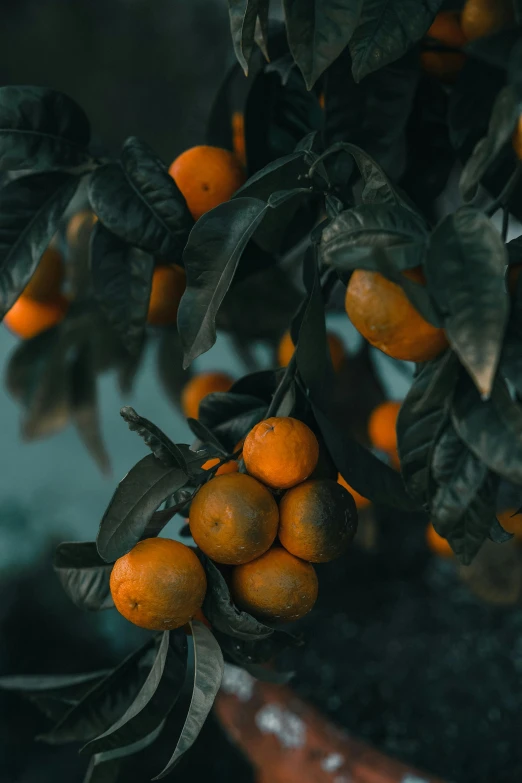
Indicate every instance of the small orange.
{"type": "Point", "coordinates": [286, 350]}
{"type": "Point", "coordinates": [383, 314]}
{"type": "Point", "coordinates": [317, 520]}
{"type": "Point", "coordinates": [382, 426]}
{"type": "Point", "coordinates": [233, 519]}
{"type": "Point", "coordinates": [199, 386]}
{"type": "Point", "coordinates": [321, 100]}
{"type": "Point", "coordinates": [206, 176]}
{"type": "Point", "coordinates": [281, 452]}
{"type": "Point", "coordinates": [80, 222]}
{"type": "Point", "coordinates": [438, 545]}
{"type": "Point", "coordinates": [360, 501]}
{"type": "Point", "coordinates": [276, 586]}
{"type": "Point", "coordinates": [231, 466]}
{"type": "Point", "coordinates": [168, 286]}
{"type": "Point", "coordinates": [446, 29]}
{"type": "Point", "coordinates": [485, 17]}
{"type": "Point", "coordinates": [160, 584]}
{"type": "Point", "coordinates": [444, 66]}
{"type": "Point", "coordinates": [27, 317]}
{"type": "Point", "coordinates": [238, 137]}
{"type": "Point", "coordinates": [510, 523]}
{"type": "Point", "coordinates": [46, 282]}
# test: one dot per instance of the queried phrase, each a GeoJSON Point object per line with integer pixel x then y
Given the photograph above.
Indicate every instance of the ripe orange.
{"type": "Point", "coordinates": [513, 524]}
{"type": "Point", "coordinates": [46, 282]}
{"type": "Point", "coordinates": [444, 66]}
{"type": "Point", "coordinates": [439, 545]}
{"type": "Point", "coordinates": [382, 426]}
{"type": "Point", "coordinates": [276, 586]}
{"type": "Point", "coordinates": [160, 584]}
{"type": "Point", "coordinates": [168, 286]}
{"type": "Point", "coordinates": [286, 350]}
{"type": "Point", "coordinates": [79, 222]}
{"type": "Point", "coordinates": [199, 386]}
{"type": "Point", "coordinates": [281, 452]}
{"type": "Point", "coordinates": [317, 520]}
{"type": "Point", "coordinates": [228, 467]}
{"type": "Point", "coordinates": [233, 519]}
{"type": "Point", "coordinates": [27, 317]}
{"type": "Point", "coordinates": [321, 100]}
{"type": "Point", "coordinates": [382, 313]}
{"type": "Point", "coordinates": [238, 137]}
{"type": "Point", "coordinates": [360, 501]}
{"type": "Point", "coordinates": [207, 176]}
{"type": "Point", "coordinates": [485, 17]}
{"type": "Point", "coordinates": [446, 29]}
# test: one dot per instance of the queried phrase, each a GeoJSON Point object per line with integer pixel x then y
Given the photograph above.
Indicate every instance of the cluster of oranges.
{"type": "Point", "coordinates": [235, 519]}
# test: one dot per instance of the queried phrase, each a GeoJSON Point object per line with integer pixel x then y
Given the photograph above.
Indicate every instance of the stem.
{"type": "Point", "coordinates": [504, 195]}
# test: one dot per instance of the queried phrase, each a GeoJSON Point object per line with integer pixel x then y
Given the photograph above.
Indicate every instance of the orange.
{"type": "Point", "coordinates": [382, 426]}
{"type": "Point", "coordinates": [27, 317]}
{"type": "Point", "coordinates": [276, 586]}
{"type": "Point", "coordinates": [286, 350]}
{"type": "Point", "coordinates": [317, 520]}
{"type": "Point", "coordinates": [445, 66]}
{"type": "Point", "coordinates": [321, 100]}
{"type": "Point", "coordinates": [79, 222]}
{"type": "Point", "coordinates": [281, 452]}
{"type": "Point", "coordinates": [160, 584]}
{"type": "Point", "coordinates": [383, 314]}
{"type": "Point", "coordinates": [447, 29]}
{"type": "Point", "coordinates": [517, 139]}
{"type": "Point", "coordinates": [168, 286]}
{"type": "Point", "coordinates": [228, 467]}
{"type": "Point", "coordinates": [439, 545]}
{"type": "Point", "coordinates": [513, 524]}
{"type": "Point", "coordinates": [206, 176]}
{"type": "Point", "coordinates": [46, 282]}
{"type": "Point", "coordinates": [238, 137]}
{"type": "Point", "coordinates": [360, 501]}
{"type": "Point", "coordinates": [199, 386]}
{"type": "Point", "coordinates": [484, 17]}
{"type": "Point", "coordinates": [233, 519]}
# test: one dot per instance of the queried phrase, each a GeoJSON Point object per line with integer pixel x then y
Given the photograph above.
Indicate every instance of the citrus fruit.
{"type": "Point", "coordinates": [27, 317]}
{"type": "Point", "coordinates": [510, 523]}
{"type": "Point", "coordinates": [160, 584]}
{"type": "Point", "coordinates": [168, 285]}
{"type": "Point", "coordinates": [383, 314]}
{"type": "Point", "coordinates": [281, 452]}
{"type": "Point", "coordinates": [81, 221]}
{"type": "Point", "coordinates": [382, 426]}
{"type": "Point", "coordinates": [360, 501]}
{"type": "Point", "coordinates": [286, 350]}
{"type": "Point", "coordinates": [438, 545]}
{"type": "Point", "coordinates": [199, 386]}
{"type": "Point", "coordinates": [233, 519]}
{"type": "Point", "coordinates": [485, 17]}
{"type": "Point", "coordinates": [206, 176]}
{"type": "Point", "coordinates": [447, 29]}
{"type": "Point", "coordinates": [444, 66]}
{"type": "Point", "coordinates": [275, 586]}
{"type": "Point", "coordinates": [231, 466]}
{"type": "Point", "coordinates": [238, 137]}
{"type": "Point", "coordinates": [46, 282]}
{"type": "Point", "coordinates": [317, 520]}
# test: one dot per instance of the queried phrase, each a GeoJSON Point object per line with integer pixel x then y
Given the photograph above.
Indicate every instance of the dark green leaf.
{"type": "Point", "coordinates": [138, 495]}
{"type": "Point", "coordinates": [171, 374]}
{"type": "Point", "coordinates": [41, 129]}
{"type": "Point", "coordinates": [243, 15]}
{"type": "Point", "coordinates": [497, 534]}
{"type": "Point", "coordinates": [161, 446]}
{"type": "Point", "coordinates": [155, 699]}
{"type": "Point", "coordinates": [465, 272]}
{"type": "Point", "coordinates": [208, 672]}
{"type": "Point", "coordinates": [246, 652]}
{"type": "Point", "coordinates": [65, 686]}
{"type": "Point", "coordinates": [139, 201]}
{"type": "Point", "coordinates": [30, 210]}
{"type": "Point", "coordinates": [84, 405]}
{"type": "Point", "coordinates": [102, 772]}
{"type": "Point", "coordinates": [318, 31]}
{"type": "Point", "coordinates": [223, 614]}
{"type": "Point", "coordinates": [206, 436]}
{"type": "Point", "coordinates": [231, 416]}
{"type": "Point", "coordinates": [84, 575]}
{"type": "Point", "coordinates": [386, 30]}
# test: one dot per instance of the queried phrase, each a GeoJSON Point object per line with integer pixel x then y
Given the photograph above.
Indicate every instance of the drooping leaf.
{"type": "Point", "coordinates": [30, 209]}
{"type": "Point", "coordinates": [84, 575]}
{"type": "Point", "coordinates": [208, 672]}
{"type": "Point", "coordinates": [161, 446]}
{"type": "Point", "coordinates": [386, 30]}
{"type": "Point", "coordinates": [318, 31]}
{"type": "Point", "coordinates": [137, 496]}
{"type": "Point", "coordinates": [69, 688]}
{"type": "Point", "coordinates": [243, 15]}
{"type": "Point", "coordinates": [155, 699]}
{"type": "Point", "coordinates": [465, 273]}
{"type": "Point", "coordinates": [84, 404]}
{"type": "Point", "coordinates": [41, 129]}
{"type": "Point", "coordinates": [122, 279]}
{"type": "Point", "coordinates": [139, 201]}
{"type": "Point", "coordinates": [223, 614]}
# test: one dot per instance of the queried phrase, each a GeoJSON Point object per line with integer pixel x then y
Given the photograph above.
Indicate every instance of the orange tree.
{"type": "Point", "coordinates": [349, 134]}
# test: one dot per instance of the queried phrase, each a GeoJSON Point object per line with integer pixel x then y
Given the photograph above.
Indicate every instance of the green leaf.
{"type": "Point", "coordinates": [84, 404]}
{"type": "Point", "coordinates": [248, 652]}
{"type": "Point", "coordinates": [122, 280]}
{"type": "Point", "coordinates": [231, 416]}
{"type": "Point", "coordinates": [211, 256]}
{"type": "Point", "coordinates": [139, 201]}
{"type": "Point", "coordinates": [138, 495]}
{"type": "Point", "coordinates": [84, 575]}
{"type": "Point", "coordinates": [208, 673]}
{"type": "Point", "coordinates": [502, 123]}
{"type": "Point", "coordinates": [386, 30]}
{"type": "Point", "coordinates": [161, 446]}
{"type": "Point", "coordinates": [497, 534]}
{"type": "Point", "coordinates": [318, 31]}
{"type": "Point", "coordinates": [206, 436]}
{"type": "Point", "coordinates": [172, 376]}
{"type": "Point", "coordinates": [30, 210]}
{"type": "Point", "coordinates": [155, 699]}
{"type": "Point", "coordinates": [102, 772]}
{"type": "Point", "coordinates": [41, 129]}
{"type": "Point", "coordinates": [243, 15]}
{"type": "Point", "coordinates": [465, 273]}
{"type": "Point", "coordinates": [223, 614]}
